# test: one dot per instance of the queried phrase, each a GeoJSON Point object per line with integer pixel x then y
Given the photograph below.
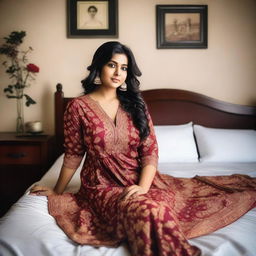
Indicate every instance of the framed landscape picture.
{"type": "Point", "coordinates": [92, 18]}
{"type": "Point", "coordinates": [181, 26]}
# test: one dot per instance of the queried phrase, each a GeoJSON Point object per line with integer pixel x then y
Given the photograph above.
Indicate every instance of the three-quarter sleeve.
{"type": "Point", "coordinates": [148, 149]}
{"type": "Point", "coordinates": [73, 136]}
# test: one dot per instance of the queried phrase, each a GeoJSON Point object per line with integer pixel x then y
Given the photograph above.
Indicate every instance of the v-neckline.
{"type": "Point", "coordinates": [112, 121]}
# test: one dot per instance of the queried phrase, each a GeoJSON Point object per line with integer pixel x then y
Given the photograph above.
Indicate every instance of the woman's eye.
{"type": "Point", "coordinates": [124, 68]}
{"type": "Point", "coordinates": [111, 65]}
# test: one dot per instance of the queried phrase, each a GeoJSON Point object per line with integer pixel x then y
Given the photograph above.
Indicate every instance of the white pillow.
{"type": "Point", "coordinates": [176, 143]}
{"type": "Point", "coordinates": [225, 145]}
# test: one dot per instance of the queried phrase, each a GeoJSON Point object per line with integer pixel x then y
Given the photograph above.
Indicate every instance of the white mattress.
{"type": "Point", "coordinates": [27, 229]}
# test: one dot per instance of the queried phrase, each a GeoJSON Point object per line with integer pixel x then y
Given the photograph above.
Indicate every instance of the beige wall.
{"type": "Point", "coordinates": [226, 70]}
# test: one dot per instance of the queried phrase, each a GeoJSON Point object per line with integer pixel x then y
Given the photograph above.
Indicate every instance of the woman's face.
{"type": "Point", "coordinates": [114, 73]}
{"type": "Point", "coordinates": [92, 12]}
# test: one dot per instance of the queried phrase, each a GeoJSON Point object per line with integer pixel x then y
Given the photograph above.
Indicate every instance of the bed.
{"type": "Point", "coordinates": [197, 135]}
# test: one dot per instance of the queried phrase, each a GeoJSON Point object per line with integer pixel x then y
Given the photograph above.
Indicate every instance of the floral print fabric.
{"type": "Point", "coordinates": [156, 223]}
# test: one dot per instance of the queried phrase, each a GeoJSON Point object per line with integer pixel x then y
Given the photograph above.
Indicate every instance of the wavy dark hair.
{"type": "Point", "coordinates": [131, 99]}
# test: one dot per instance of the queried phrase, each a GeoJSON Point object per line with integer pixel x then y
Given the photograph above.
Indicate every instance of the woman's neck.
{"type": "Point", "coordinates": [105, 94]}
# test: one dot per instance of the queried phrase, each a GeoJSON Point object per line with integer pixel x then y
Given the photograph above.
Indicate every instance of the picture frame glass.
{"type": "Point", "coordinates": [92, 18]}
{"type": "Point", "coordinates": [92, 15]}
{"type": "Point", "coordinates": [182, 27]}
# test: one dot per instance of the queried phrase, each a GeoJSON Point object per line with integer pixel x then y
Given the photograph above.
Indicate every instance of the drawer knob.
{"type": "Point", "coordinates": [16, 155]}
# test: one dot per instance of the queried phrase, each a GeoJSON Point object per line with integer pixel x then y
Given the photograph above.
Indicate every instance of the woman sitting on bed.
{"type": "Point", "coordinates": [122, 195]}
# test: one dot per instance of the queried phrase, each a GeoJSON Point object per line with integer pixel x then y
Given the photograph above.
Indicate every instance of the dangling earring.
{"type": "Point", "coordinates": [123, 87]}
{"type": "Point", "coordinates": [97, 79]}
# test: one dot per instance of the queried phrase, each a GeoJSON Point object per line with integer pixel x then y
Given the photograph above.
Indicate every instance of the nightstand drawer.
{"type": "Point", "coordinates": [23, 160]}
{"type": "Point", "coordinates": [19, 154]}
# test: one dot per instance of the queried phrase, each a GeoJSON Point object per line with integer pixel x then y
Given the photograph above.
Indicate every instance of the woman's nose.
{"type": "Point", "coordinates": [117, 71]}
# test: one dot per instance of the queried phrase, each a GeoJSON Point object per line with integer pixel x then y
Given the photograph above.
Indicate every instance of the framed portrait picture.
{"type": "Point", "coordinates": [181, 26]}
{"type": "Point", "coordinates": [92, 18]}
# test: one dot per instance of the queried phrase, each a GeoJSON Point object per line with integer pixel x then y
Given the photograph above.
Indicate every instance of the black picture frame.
{"type": "Point", "coordinates": [182, 26]}
{"type": "Point", "coordinates": [82, 22]}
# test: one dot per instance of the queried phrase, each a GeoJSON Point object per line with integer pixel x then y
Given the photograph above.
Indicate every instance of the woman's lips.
{"type": "Point", "coordinates": [115, 80]}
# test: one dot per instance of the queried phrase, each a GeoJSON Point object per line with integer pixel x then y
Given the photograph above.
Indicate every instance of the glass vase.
{"type": "Point", "coordinates": [20, 115]}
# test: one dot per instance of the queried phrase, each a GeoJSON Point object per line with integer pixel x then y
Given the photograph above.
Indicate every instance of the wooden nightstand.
{"type": "Point", "coordinates": [23, 160]}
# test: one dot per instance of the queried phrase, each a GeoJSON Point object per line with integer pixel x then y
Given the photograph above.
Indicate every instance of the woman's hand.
{"type": "Point", "coordinates": [41, 191]}
{"type": "Point", "coordinates": [132, 191]}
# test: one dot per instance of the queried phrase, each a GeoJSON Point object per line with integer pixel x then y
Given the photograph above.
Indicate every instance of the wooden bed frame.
{"type": "Point", "coordinates": [173, 107]}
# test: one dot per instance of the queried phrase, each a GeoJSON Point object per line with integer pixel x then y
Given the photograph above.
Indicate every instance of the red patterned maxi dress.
{"type": "Point", "coordinates": [156, 223]}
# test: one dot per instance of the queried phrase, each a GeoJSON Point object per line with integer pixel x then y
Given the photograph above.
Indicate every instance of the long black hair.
{"type": "Point", "coordinates": [131, 99]}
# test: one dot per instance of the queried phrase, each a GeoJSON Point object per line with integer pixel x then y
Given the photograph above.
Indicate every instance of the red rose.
{"type": "Point", "coordinates": [32, 68]}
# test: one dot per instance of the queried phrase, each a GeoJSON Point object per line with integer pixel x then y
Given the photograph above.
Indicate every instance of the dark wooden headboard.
{"type": "Point", "coordinates": [174, 106]}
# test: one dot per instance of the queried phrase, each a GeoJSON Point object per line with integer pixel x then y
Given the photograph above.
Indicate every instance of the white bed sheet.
{"type": "Point", "coordinates": [27, 229]}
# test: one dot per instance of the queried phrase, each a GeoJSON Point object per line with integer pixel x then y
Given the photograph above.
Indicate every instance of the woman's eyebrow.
{"type": "Point", "coordinates": [118, 63]}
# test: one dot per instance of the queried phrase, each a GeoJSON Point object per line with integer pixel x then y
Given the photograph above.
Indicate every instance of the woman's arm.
{"type": "Point", "coordinates": [74, 150]}
{"type": "Point", "coordinates": [148, 152]}
{"type": "Point", "coordinates": [146, 179]}
{"type": "Point", "coordinates": [147, 176]}
{"type": "Point", "coordinates": [64, 178]}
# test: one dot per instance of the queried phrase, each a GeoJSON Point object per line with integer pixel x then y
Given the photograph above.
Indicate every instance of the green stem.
{"type": "Point", "coordinates": [19, 72]}
{"type": "Point", "coordinates": [25, 81]}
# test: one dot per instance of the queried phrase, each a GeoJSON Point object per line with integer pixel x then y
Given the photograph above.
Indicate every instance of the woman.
{"type": "Point", "coordinates": [122, 195]}
{"type": "Point", "coordinates": [92, 22]}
